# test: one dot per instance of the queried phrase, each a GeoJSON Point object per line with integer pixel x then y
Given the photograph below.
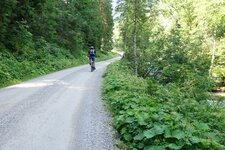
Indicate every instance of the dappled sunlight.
{"type": "Point", "coordinates": [46, 83]}
{"type": "Point", "coordinates": [43, 83]}
{"type": "Point", "coordinates": [220, 94]}
{"type": "Point", "coordinates": [78, 88]}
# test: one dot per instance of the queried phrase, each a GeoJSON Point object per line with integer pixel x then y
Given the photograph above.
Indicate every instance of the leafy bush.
{"type": "Point", "coordinates": [150, 116]}
{"type": "Point", "coordinates": [47, 58]}
{"type": "Point", "coordinates": [21, 40]}
{"type": "Point", "coordinates": [220, 75]}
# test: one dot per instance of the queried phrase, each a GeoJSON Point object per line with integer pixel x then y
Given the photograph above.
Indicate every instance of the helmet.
{"type": "Point", "coordinates": [92, 47]}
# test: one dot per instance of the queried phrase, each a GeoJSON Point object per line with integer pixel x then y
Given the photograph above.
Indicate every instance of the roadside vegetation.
{"type": "Point", "coordinates": [38, 37]}
{"type": "Point", "coordinates": [151, 115]}
{"type": "Point", "coordinates": [15, 69]}
{"type": "Point", "coordinates": [160, 93]}
{"type": "Point", "coordinates": [172, 36]}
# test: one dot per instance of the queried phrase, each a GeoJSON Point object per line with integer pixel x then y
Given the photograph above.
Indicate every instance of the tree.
{"type": "Point", "coordinates": [71, 24]}
{"type": "Point", "coordinates": [132, 21]}
{"type": "Point", "coordinates": [181, 32]}
{"type": "Point", "coordinates": [135, 38]}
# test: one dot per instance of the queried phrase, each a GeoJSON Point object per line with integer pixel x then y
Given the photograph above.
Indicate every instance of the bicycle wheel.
{"type": "Point", "coordinates": [92, 67]}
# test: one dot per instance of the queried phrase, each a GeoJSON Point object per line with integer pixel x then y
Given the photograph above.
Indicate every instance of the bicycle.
{"type": "Point", "coordinates": [92, 64]}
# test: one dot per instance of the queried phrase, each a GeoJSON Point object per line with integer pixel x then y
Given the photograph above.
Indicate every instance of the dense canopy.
{"type": "Point", "coordinates": [41, 36]}
{"type": "Point", "coordinates": [175, 35]}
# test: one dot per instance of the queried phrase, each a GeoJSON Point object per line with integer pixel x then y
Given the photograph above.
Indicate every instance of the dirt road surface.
{"type": "Point", "coordinates": [59, 111]}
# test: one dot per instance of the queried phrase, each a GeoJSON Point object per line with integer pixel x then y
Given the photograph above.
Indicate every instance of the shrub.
{"type": "Point", "coordinates": [149, 115]}
{"type": "Point", "coordinates": [47, 58]}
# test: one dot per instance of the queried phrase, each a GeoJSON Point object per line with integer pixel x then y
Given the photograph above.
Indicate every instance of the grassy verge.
{"type": "Point", "coordinates": [151, 116]}
{"type": "Point", "coordinates": [16, 68]}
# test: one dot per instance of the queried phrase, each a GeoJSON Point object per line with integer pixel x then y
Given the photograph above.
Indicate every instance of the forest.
{"type": "Point", "coordinates": [187, 33]}
{"type": "Point", "coordinates": [42, 36]}
{"type": "Point", "coordinates": [160, 94]}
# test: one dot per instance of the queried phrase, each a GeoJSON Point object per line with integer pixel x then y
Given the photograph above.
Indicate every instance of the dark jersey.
{"type": "Point", "coordinates": [92, 52]}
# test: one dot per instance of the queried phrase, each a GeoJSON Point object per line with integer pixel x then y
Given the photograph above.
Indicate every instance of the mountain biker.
{"type": "Point", "coordinates": [92, 55]}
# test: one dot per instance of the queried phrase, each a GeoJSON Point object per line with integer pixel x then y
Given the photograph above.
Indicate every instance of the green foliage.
{"type": "Point", "coordinates": [71, 24]}
{"type": "Point", "coordinates": [49, 58]}
{"type": "Point", "coordinates": [42, 36]}
{"type": "Point", "coordinates": [5, 16]}
{"type": "Point", "coordinates": [21, 39]}
{"type": "Point", "coordinates": [178, 42]}
{"type": "Point", "coordinates": [175, 37]}
{"type": "Point", "coordinates": [149, 115]}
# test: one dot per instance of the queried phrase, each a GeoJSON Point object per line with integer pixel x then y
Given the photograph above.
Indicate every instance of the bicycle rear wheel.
{"type": "Point", "coordinates": [92, 66]}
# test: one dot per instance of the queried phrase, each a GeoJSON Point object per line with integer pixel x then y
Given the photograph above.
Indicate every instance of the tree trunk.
{"type": "Point", "coordinates": [213, 57]}
{"type": "Point", "coordinates": [135, 38]}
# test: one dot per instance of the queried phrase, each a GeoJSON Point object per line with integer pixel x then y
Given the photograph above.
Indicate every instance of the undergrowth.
{"type": "Point", "coordinates": [151, 116]}
{"type": "Point", "coordinates": [15, 68]}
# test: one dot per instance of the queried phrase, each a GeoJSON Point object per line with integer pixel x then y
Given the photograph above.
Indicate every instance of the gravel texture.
{"type": "Point", "coordinates": [59, 111]}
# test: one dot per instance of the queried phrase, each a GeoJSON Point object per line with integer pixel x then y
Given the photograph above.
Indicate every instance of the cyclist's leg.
{"type": "Point", "coordinates": [93, 59]}
{"type": "Point", "coordinates": [90, 60]}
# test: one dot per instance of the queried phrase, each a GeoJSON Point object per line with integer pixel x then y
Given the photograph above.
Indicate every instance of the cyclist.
{"type": "Point", "coordinates": [92, 55]}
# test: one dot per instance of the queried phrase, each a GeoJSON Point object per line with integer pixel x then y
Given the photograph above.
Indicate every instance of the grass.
{"type": "Point", "coordinates": [16, 69]}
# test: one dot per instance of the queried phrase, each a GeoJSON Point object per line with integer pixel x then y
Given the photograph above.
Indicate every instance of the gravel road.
{"type": "Point", "coordinates": [59, 111]}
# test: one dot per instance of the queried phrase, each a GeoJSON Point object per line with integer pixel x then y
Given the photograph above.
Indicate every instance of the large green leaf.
{"type": "Point", "coordinates": [139, 137]}
{"type": "Point", "coordinates": [149, 133]}
{"type": "Point", "coordinates": [179, 134]}
{"type": "Point", "coordinates": [141, 118]}
{"type": "Point", "coordinates": [194, 139]}
{"type": "Point", "coordinates": [202, 126]}
{"type": "Point", "coordinates": [167, 133]}
{"type": "Point", "coordinates": [156, 130]}
{"type": "Point", "coordinates": [174, 146]}
{"type": "Point", "coordinates": [128, 137]}
{"type": "Point", "coordinates": [155, 148]}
